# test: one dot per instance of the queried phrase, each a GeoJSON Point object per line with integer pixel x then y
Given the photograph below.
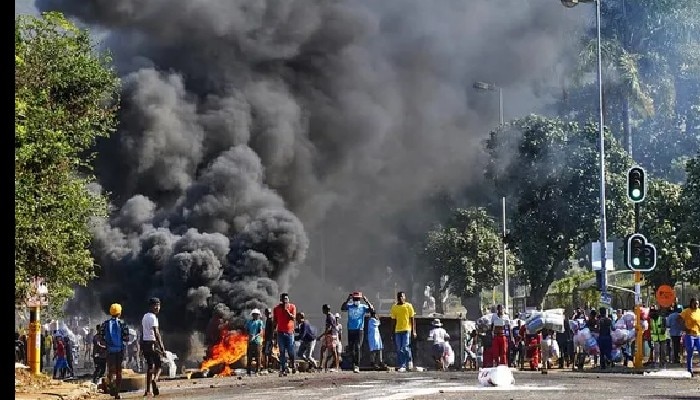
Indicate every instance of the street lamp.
{"type": "Point", "coordinates": [601, 137]}
{"type": "Point", "coordinates": [484, 86]}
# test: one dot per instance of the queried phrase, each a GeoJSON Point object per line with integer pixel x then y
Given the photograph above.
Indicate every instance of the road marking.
{"type": "Point", "coordinates": [405, 394]}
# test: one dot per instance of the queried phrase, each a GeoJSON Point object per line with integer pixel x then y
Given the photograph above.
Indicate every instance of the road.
{"type": "Point", "coordinates": [430, 385]}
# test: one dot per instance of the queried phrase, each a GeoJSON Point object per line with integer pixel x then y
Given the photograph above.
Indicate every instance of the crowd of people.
{"type": "Point", "coordinates": [668, 333]}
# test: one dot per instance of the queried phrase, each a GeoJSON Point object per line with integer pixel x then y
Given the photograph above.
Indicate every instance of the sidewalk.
{"type": "Point", "coordinates": [39, 387]}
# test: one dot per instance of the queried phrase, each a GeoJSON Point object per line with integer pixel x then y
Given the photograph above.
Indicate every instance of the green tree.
{"type": "Point", "coordinates": [468, 249]}
{"type": "Point", "coordinates": [549, 170]}
{"type": "Point", "coordinates": [65, 98]}
{"type": "Point", "coordinates": [689, 220]}
{"type": "Point", "coordinates": [659, 219]}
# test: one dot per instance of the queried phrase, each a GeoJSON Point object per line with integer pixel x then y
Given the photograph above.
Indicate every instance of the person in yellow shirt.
{"type": "Point", "coordinates": [402, 314]}
{"type": "Point", "coordinates": [691, 319]}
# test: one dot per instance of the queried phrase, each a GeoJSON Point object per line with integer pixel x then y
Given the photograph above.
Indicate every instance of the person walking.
{"type": "Point", "coordinates": [675, 327]}
{"type": "Point", "coordinates": [657, 330]}
{"type": "Point", "coordinates": [116, 336]}
{"type": "Point", "coordinates": [284, 315]}
{"type": "Point", "coordinates": [499, 325]}
{"type": "Point", "coordinates": [152, 346]}
{"type": "Point", "coordinates": [330, 339]}
{"type": "Point", "coordinates": [374, 340]}
{"type": "Point", "coordinates": [254, 328]}
{"type": "Point", "coordinates": [691, 320]}
{"type": "Point", "coordinates": [306, 335]}
{"type": "Point", "coordinates": [605, 328]}
{"type": "Point", "coordinates": [357, 306]}
{"type": "Point", "coordinates": [439, 336]}
{"type": "Point", "coordinates": [268, 340]}
{"type": "Point", "coordinates": [99, 355]}
{"type": "Point", "coordinates": [403, 316]}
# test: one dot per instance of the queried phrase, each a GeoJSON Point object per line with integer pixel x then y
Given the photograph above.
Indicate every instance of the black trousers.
{"type": "Point", "coordinates": [100, 368]}
{"type": "Point", "coordinates": [676, 349]}
{"type": "Point", "coordinates": [355, 337]}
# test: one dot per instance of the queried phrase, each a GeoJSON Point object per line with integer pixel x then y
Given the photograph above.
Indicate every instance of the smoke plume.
{"type": "Point", "coordinates": [241, 119]}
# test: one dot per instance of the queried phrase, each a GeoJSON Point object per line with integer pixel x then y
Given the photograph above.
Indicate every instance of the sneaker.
{"type": "Point", "coordinates": [402, 369]}
{"type": "Point", "coordinates": [356, 370]}
{"type": "Point", "coordinates": [281, 374]}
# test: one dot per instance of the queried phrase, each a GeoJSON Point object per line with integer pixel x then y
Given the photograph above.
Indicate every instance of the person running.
{"type": "Point", "coordinates": [116, 336]}
{"type": "Point", "coordinates": [356, 310]}
{"type": "Point", "coordinates": [691, 319]}
{"type": "Point", "coordinates": [402, 314]}
{"type": "Point", "coordinates": [254, 328]}
{"type": "Point", "coordinates": [152, 346]}
{"type": "Point", "coordinates": [284, 315]}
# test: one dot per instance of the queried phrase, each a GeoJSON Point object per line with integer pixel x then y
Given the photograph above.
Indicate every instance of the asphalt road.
{"type": "Point", "coordinates": [430, 385]}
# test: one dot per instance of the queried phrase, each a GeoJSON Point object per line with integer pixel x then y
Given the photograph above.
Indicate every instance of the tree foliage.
{"type": "Point", "coordinates": [659, 220]}
{"type": "Point", "coordinates": [468, 248]}
{"type": "Point", "coordinates": [550, 168]}
{"type": "Point", "coordinates": [65, 97]}
{"type": "Point", "coordinates": [689, 219]}
{"type": "Point", "coordinates": [651, 80]}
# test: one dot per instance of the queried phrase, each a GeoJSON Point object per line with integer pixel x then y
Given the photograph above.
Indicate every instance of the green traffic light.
{"type": "Point", "coordinates": [636, 193]}
{"type": "Point", "coordinates": [636, 261]}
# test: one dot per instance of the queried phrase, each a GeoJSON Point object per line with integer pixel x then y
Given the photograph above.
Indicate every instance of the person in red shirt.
{"type": "Point", "coordinates": [283, 317]}
{"type": "Point", "coordinates": [59, 355]}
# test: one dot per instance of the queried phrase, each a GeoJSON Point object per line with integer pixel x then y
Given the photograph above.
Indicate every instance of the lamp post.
{"type": "Point", "coordinates": [484, 86]}
{"type": "Point", "coordinates": [603, 231]}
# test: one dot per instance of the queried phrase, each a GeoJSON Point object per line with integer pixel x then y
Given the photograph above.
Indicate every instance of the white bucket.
{"type": "Point", "coordinates": [498, 376]}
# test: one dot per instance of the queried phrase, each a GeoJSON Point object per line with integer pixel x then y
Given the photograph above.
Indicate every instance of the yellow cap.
{"type": "Point", "coordinates": [115, 309]}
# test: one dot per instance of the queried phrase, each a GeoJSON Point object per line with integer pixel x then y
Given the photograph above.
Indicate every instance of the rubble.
{"type": "Point", "coordinates": [30, 386]}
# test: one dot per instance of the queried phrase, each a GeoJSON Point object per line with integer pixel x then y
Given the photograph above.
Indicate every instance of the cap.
{"type": "Point", "coordinates": [356, 294]}
{"type": "Point", "coordinates": [115, 309]}
{"type": "Point", "coordinates": [436, 322]}
{"type": "Point", "coordinates": [337, 315]}
{"type": "Point", "coordinates": [153, 301]}
{"type": "Point", "coordinates": [254, 311]}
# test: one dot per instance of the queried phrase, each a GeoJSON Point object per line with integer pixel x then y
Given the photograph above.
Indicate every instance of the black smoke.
{"type": "Point", "coordinates": [242, 118]}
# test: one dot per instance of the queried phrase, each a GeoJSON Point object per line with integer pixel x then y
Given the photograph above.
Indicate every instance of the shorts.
{"type": "Point", "coordinates": [114, 360]}
{"type": "Point", "coordinates": [152, 356]}
{"type": "Point", "coordinates": [331, 341]}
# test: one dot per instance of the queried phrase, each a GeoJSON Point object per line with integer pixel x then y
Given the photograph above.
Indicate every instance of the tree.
{"type": "Point", "coordinates": [467, 249]}
{"type": "Point", "coordinates": [659, 219]}
{"type": "Point", "coordinates": [549, 170]}
{"type": "Point", "coordinates": [65, 98]}
{"type": "Point", "coordinates": [689, 220]}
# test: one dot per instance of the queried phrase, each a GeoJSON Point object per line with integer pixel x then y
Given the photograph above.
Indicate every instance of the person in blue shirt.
{"type": "Point", "coordinates": [676, 327]}
{"type": "Point", "coordinates": [356, 310]}
{"type": "Point", "coordinates": [254, 328]}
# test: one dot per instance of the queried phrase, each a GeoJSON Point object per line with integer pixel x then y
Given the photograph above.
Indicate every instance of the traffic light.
{"type": "Point", "coordinates": [636, 184]}
{"type": "Point", "coordinates": [640, 255]}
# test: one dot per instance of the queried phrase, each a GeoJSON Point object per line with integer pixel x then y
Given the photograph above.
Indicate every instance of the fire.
{"type": "Point", "coordinates": [232, 347]}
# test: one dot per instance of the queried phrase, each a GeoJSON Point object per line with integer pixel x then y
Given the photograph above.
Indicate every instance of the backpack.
{"type": "Point", "coordinates": [115, 333]}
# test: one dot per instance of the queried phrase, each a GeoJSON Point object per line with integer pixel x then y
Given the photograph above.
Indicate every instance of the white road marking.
{"type": "Point", "coordinates": [405, 394]}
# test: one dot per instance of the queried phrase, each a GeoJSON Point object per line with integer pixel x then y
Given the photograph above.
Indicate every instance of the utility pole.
{"type": "Point", "coordinates": [505, 260]}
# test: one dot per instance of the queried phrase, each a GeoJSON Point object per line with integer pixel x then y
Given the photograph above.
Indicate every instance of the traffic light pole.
{"type": "Point", "coordinates": [639, 338]}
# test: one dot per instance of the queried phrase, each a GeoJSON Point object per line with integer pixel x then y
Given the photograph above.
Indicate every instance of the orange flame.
{"type": "Point", "coordinates": [232, 347]}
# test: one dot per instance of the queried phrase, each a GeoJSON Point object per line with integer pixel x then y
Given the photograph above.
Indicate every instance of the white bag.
{"type": "Point", "coordinates": [554, 349]}
{"type": "Point", "coordinates": [498, 376]}
{"type": "Point", "coordinates": [450, 354]}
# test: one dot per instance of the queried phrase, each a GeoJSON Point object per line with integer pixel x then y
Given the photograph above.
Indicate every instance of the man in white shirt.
{"type": "Point", "coordinates": [499, 325]}
{"type": "Point", "coordinates": [438, 336]}
{"type": "Point", "coordinates": [152, 346]}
